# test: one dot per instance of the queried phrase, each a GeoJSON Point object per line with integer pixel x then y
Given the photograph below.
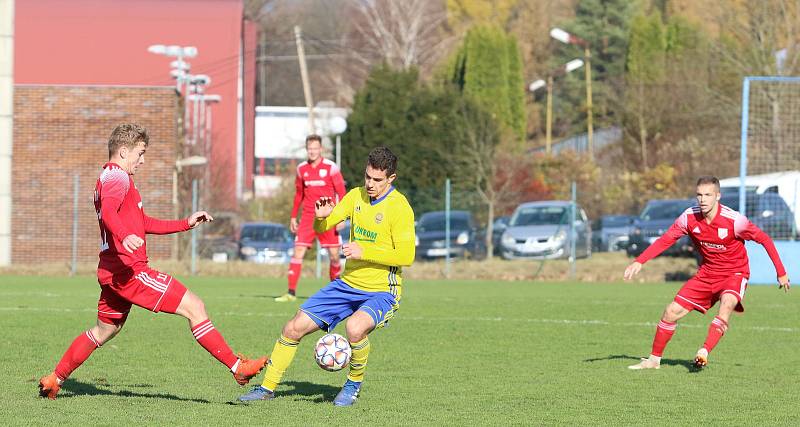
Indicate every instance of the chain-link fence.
{"type": "Point", "coordinates": [767, 188]}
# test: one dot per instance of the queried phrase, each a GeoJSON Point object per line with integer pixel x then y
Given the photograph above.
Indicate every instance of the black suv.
{"type": "Point", "coordinates": [656, 217]}
{"type": "Point", "coordinates": [465, 238]}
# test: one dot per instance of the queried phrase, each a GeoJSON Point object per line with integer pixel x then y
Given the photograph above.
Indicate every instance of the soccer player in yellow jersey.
{"type": "Point", "coordinates": [368, 293]}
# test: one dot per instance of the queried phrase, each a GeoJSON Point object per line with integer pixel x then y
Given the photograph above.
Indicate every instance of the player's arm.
{"type": "Point", "coordinates": [164, 226]}
{"type": "Point", "coordinates": [744, 229]}
{"type": "Point", "coordinates": [675, 232]}
{"type": "Point", "coordinates": [339, 213]}
{"type": "Point", "coordinates": [112, 193]}
{"type": "Point", "coordinates": [403, 239]}
{"type": "Point", "coordinates": [298, 198]}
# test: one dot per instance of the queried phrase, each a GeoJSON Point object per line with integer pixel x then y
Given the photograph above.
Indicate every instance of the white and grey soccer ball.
{"type": "Point", "coordinates": [332, 352]}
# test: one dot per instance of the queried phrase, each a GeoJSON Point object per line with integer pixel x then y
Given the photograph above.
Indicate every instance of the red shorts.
{"type": "Point", "coordinates": [306, 234]}
{"type": "Point", "coordinates": [701, 293]}
{"type": "Point", "coordinates": [148, 289]}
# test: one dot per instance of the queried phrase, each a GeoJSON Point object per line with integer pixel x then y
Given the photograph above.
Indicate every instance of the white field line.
{"type": "Point", "coordinates": [583, 322]}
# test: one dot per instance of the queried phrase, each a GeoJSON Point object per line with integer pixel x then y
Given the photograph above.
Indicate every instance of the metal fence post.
{"type": "Point", "coordinates": [572, 237]}
{"type": "Point", "coordinates": [76, 185]}
{"type": "Point", "coordinates": [194, 230]}
{"type": "Point", "coordinates": [447, 228]}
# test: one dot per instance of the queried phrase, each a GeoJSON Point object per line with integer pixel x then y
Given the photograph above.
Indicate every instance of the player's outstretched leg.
{"type": "Point", "coordinates": [81, 348]}
{"type": "Point", "coordinates": [282, 355]}
{"type": "Point", "coordinates": [664, 331]}
{"type": "Point", "coordinates": [243, 369]}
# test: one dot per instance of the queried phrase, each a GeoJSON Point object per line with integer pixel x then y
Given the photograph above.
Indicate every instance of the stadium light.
{"type": "Point", "coordinates": [538, 84]}
{"type": "Point", "coordinates": [568, 38]}
{"type": "Point", "coordinates": [179, 66]}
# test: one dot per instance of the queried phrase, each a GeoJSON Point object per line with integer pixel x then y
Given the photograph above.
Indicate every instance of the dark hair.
{"type": "Point", "coordinates": [313, 137]}
{"type": "Point", "coordinates": [127, 135]}
{"type": "Point", "coordinates": [708, 179]}
{"type": "Point", "coordinates": [382, 158]}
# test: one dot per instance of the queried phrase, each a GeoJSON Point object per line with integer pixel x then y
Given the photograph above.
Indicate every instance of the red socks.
{"type": "Point", "coordinates": [716, 330]}
{"type": "Point", "coordinates": [664, 332]}
{"type": "Point", "coordinates": [211, 340]}
{"type": "Point", "coordinates": [77, 353]}
{"type": "Point", "coordinates": [335, 270]}
{"type": "Point", "coordinates": [295, 266]}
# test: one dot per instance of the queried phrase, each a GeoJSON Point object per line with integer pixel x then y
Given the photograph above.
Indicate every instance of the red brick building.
{"type": "Point", "coordinates": [62, 131]}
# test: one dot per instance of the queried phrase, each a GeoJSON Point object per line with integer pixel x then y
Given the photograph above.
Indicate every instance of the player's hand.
{"type": "Point", "coordinates": [783, 283]}
{"type": "Point", "coordinates": [323, 207]}
{"type": "Point", "coordinates": [293, 226]}
{"type": "Point", "coordinates": [632, 270]}
{"type": "Point", "coordinates": [352, 250]}
{"type": "Point", "coordinates": [198, 218]}
{"type": "Point", "coordinates": [132, 243]}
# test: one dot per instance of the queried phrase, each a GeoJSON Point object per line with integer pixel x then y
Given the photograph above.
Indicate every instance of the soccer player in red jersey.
{"type": "Point", "coordinates": [123, 274]}
{"type": "Point", "coordinates": [317, 177]}
{"type": "Point", "coordinates": [718, 233]}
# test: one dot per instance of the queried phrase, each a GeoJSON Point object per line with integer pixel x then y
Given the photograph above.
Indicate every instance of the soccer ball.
{"type": "Point", "coordinates": [332, 352]}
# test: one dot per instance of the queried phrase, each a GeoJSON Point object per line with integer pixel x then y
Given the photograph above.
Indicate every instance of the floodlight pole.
{"type": "Point", "coordinates": [567, 38]}
{"type": "Point", "coordinates": [549, 126]}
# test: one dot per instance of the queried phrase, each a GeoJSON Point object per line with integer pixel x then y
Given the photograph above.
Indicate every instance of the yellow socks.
{"type": "Point", "coordinates": [280, 359]}
{"type": "Point", "coordinates": [358, 362]}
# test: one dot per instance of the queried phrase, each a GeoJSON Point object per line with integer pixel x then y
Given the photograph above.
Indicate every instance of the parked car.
{"type": "Point", "coordinates": [541, 230]}
{"type": "Point", "coordinates": [265, 243]}
{"type": "Point", "coordinates": [768, 211]}
{"type": "Point", "coordinates": [610, 233]}
{"type": "Point", "coordinates": [656, 217]}
{"type": "Point", "coordinates": [499, 227]}
{"type": "Point", "coordinates": [465, 239]}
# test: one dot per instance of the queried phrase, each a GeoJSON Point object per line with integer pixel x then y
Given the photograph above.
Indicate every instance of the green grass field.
{"type": "Point", "coordinates": [458, 353]}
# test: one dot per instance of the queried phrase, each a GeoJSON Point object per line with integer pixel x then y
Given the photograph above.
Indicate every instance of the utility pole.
{"type": "Point", "coordinates": [301, 56]}
{"type": "Point", "coordinates": [587, 57]}
{"type": "Point", "coordinates": [262, 71]}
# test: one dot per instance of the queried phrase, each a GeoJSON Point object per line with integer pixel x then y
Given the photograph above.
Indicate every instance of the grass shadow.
{"type": "Point", "coordinates": [74, 388]}
{"type": "Point", "coordinates": [303, 390]}
{"type": "Point", "coordinates": [688, 364]}
{"type": "Point", "coordinates": [317, 393]}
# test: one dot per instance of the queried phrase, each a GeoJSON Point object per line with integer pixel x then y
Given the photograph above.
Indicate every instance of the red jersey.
{"type": "Point", "coordinates": [721, 243]}
{"type": "Point", "coordinates": [120, 214]}
{"type": "Point", "coordinates": [313, 182]}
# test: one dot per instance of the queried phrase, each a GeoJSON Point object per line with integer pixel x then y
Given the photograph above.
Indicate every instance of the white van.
{"type": "Point", "coordinates": [785, 184]}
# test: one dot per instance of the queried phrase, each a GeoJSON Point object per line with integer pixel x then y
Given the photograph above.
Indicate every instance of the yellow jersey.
{"type": "Point", "coordinates": [384, 228]}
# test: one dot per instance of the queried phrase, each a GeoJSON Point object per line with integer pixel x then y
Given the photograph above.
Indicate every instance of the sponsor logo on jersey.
{"type": "Point", "coordinates": [323, 173]}
{"type": "Point", "coordinates": [362, 234]}
{"type": "Point", "coordinates": [315, 183]}
{"type": "Point", "coordinates": [714, 246]}
{"type": "Point", "coordinates": [722, 233]}
{"type": "Point", "coordinates": [378, 218]}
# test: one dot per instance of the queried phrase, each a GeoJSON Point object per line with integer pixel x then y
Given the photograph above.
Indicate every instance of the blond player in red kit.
{"type": "Point", "coordinates": [124, 276]}
{"type": "Point", "coordinates": [317, 177]}
{"type": "Point", "coordinates": [718, 232]}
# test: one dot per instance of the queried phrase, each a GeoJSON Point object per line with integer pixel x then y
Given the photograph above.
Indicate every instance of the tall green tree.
{"type": "Point", "coordinates": [488, 69]}
{"type": "Point", "coordinates": [605, 25]}
{"type": "Point", "coordinates": [418, 123]}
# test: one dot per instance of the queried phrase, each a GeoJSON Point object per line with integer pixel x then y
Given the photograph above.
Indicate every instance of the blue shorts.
{"type": "Point", "coordinates": [338, 300]}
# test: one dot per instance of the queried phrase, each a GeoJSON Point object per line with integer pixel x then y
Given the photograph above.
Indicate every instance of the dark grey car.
{"type": "Point", "coordinates": [265, 243]}
{"type": "Point", "coordinates": [541, 230]}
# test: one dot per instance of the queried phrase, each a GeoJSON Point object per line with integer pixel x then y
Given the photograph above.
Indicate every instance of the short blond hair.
{"type": "Point", "coordinates": [127, 135]}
